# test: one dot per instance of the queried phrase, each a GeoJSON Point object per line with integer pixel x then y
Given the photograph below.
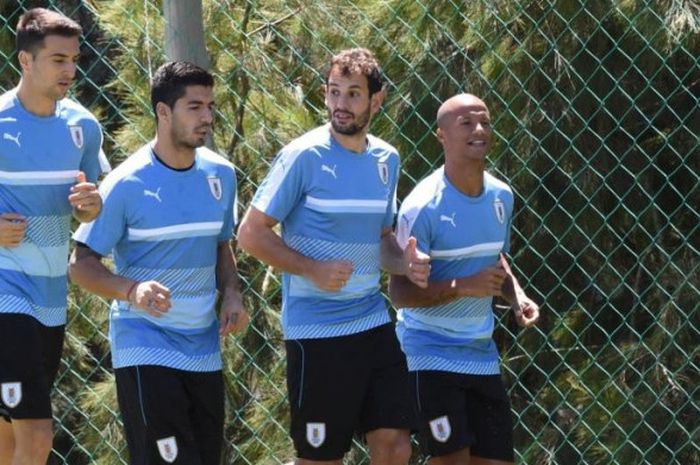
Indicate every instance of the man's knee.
{"type": "Point", "coordinates": [390, 447]}
{"type": "Point", "coordinates": [7, 442]}
{"type": "Point", "coordinates": [33, 438]}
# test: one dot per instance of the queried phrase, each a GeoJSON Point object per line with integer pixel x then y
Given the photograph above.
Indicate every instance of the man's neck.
{"type": "Point", "coordinates": [176, 158]}
{"type": "Point", "coordinates": [356, 143]}
{"type": "Point", "coordinates": [467, 177]}
{"type": "Point", "coordinates": [33, 101]}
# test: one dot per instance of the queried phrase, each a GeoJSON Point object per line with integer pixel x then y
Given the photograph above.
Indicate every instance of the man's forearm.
{"type": "Point", "coordinates": [87, 271]}
{"type": "Point", "coordinates": [265, 245]}
{"type": "Point", "coordinates": [227, 282]}
{"type": "Point", "coordinates": [85, 216]}
{"type": "Point", "coordinates": [406, 294]}
{"type": "Point", "coordinates": [391, 255]}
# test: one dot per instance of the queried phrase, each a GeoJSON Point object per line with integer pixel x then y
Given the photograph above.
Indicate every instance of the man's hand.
{"type": "Point", "coordinates": [487, 282]}
{"type": "Point", "coordinates": [233, 316]}
{"type": "Point", "coordinates": [526, 312]}
{"type": "Point", "coordinates": [416, 264]}
{"type": "Point", "coordinates": [85, 199]}
{"type": "Point", "coordinates": [330, 276]}
{"type": "Point", "coordinates": [151, 297]}
{"type": "Point", "coordinates": [13, 226]}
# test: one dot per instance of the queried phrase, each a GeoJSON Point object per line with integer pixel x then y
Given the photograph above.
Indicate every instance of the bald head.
{"type": "Point", "coordinates": [456, 105]}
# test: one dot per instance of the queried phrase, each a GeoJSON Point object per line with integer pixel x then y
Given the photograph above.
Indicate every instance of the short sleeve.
{"type": "Point", "coordinates": [103, 233]}
{"type": "Point", "coordinates": [283, 187]}
{"type": "Point", "coordinates": [231, 213]}
{"type": "Point", "coordinates": [392, 205]}
{"type": "Point", "coordinates": [94, 162]}
{"type": "Point", "coordinates": [414, 221]}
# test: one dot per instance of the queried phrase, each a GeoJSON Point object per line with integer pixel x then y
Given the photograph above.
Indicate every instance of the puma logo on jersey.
{"type": "Point", "coordinates": [155, 195]}
{"type": "Point", "coordinates": [330, 170]}
{"type": "Point", "coordinates": [449, 219]}
{"type": "Point", "coordinates": [14, 139]}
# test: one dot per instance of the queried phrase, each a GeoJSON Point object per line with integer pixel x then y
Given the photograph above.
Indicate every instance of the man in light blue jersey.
{"type": "Point", "coordinates": [50, 159]}
{"type": "Point", "coordinates": [334, 192]}
{"type": "Point", "coordinates": [168, 218]}
{"type": "Point", "coordinates": [460, 215]}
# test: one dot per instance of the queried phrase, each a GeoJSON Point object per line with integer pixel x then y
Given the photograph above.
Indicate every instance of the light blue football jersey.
{"type": "Point", "coordinates": [333, 205]}
{"type": "Point", "coordinates": [39, 160]}
{"type": "Point", "coordinates": [165, 225]}
{"type": "Point", "coordinates": [462, 235]}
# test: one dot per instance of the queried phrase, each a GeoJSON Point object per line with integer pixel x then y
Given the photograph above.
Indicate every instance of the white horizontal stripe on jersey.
{"type": "Point", "coordinates": [478, 250]}
{"type": "Point", "coordinates": [27, 258]}
{"type": "Point", "coordinates": [346, 205]}
{"type": "Point", "coordinates": [194, 313]}
{"type": "Point", "coordinates": [356, 287]}
{"type": "Point", "coordinates": [209, 228]}
{"type": "Point", "coordinates": [34, 178]}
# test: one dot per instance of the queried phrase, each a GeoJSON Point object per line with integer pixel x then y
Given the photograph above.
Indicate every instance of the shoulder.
{"type": "Point", "coordinates": [127, 174]}
{"type": "Point", "coordinates": [307, 147]}
{"type": "Point", "coordinates": [382, 150]}
{"type": "Point", "coordinates": [7, 100]}
{"type": "Point", "coordinates": [76, 114]}
{"type": "Point", "coordinates": [425, 196]}
{"type": "Point", "coordinates": [210, 158]}
{"type": "Point", "coordinates": [497, 185]}
{"type": "Point", "coordinates": [75, 111]}
{"type": "Point", "coordinates": [381, 144]}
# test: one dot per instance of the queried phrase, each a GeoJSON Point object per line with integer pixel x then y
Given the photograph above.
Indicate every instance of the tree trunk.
{"type": "Point", "coordinates": [184, 32]}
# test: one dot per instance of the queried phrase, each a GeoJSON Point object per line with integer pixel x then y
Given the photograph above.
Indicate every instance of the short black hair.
{"type": "Point", "coordinates": [37, 23]}
{"type": "Point", "coordinates": [170, 82]}
{"type": "Point", "coordinates": [362, 61]}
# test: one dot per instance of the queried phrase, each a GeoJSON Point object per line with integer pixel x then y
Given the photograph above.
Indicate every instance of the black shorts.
{"type": "Point", "coordinates": [30, 354]}
{"type": "Point", "coordinates": [171, 416]}
{"type": "Point", "coordinates": [459, 411]}
{"type": "Point", "coordinates": [345, 385]}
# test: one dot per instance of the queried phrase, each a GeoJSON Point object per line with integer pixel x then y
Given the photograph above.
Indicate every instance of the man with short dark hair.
{"type": "Point", "coordinates": [460, 215]}
{"type": "Point", "coordinates": [334, 192]}
{"type": "Point", "coordinates": [50, 159]}
{"type": "Point", "coordinates": [168, 219]}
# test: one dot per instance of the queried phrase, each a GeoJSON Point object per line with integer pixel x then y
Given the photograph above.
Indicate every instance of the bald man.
{"type": "Point", "coordinates": [460, 215]}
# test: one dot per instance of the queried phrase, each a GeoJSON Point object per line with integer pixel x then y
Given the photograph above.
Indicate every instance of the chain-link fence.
{"type": "Point", "coordinates": [595, 108]}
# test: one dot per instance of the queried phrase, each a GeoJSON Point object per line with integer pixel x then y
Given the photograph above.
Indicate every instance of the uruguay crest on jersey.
{"type": "Point", "coordinates": [167, 447]}
{"type": "Point", "coordinates": [11, 394]}
{"type": "Point", "coordinates": [215, 187]}
{"type": "Point", "coordinates": [383, 170]}
{"type": "Point", "coordinates": [76, 133]}
{"type": "Point", "coordinates": [500, 210]}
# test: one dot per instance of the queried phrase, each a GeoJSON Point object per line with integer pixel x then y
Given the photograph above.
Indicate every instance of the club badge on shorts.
{"type": "Point", "coordinates": [76, 133]}
{"type": "Point", "coordinates": [215, 186]}
{"type": "Point", "coordinates": [383, 170]}
{"type": "Point", "coordinates": [167, 447]}
{"type": "Point", "coordinates": [11, 394]}
{"type": "Point", "coordinates": [441, 429]}
{"type": "Point", "coordinates": [500, 210]}
{"type": "Point", "coordinates": [316, 433]}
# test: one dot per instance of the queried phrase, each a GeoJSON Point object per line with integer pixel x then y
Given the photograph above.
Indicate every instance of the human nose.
{"type": "Point", "coordinates": [71, 69]}
{"type": "Point", "coordinates": [341, 102]}
{"type": "Point", "coordinates": [207, 115]}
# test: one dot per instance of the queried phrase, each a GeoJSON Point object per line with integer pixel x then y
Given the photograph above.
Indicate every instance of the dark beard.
{"type": "Point", "coordinates": [354, 128]}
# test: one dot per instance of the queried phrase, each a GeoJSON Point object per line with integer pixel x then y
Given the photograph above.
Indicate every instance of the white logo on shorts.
{"type": "Point", "coordinates": [441, 429]}
{"type": "Point", "coordinates": [167, 448]}
{"type": "Point", "coordinates": [11, 394]}
{"type": "Point", "coordinates": [316, 433]}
